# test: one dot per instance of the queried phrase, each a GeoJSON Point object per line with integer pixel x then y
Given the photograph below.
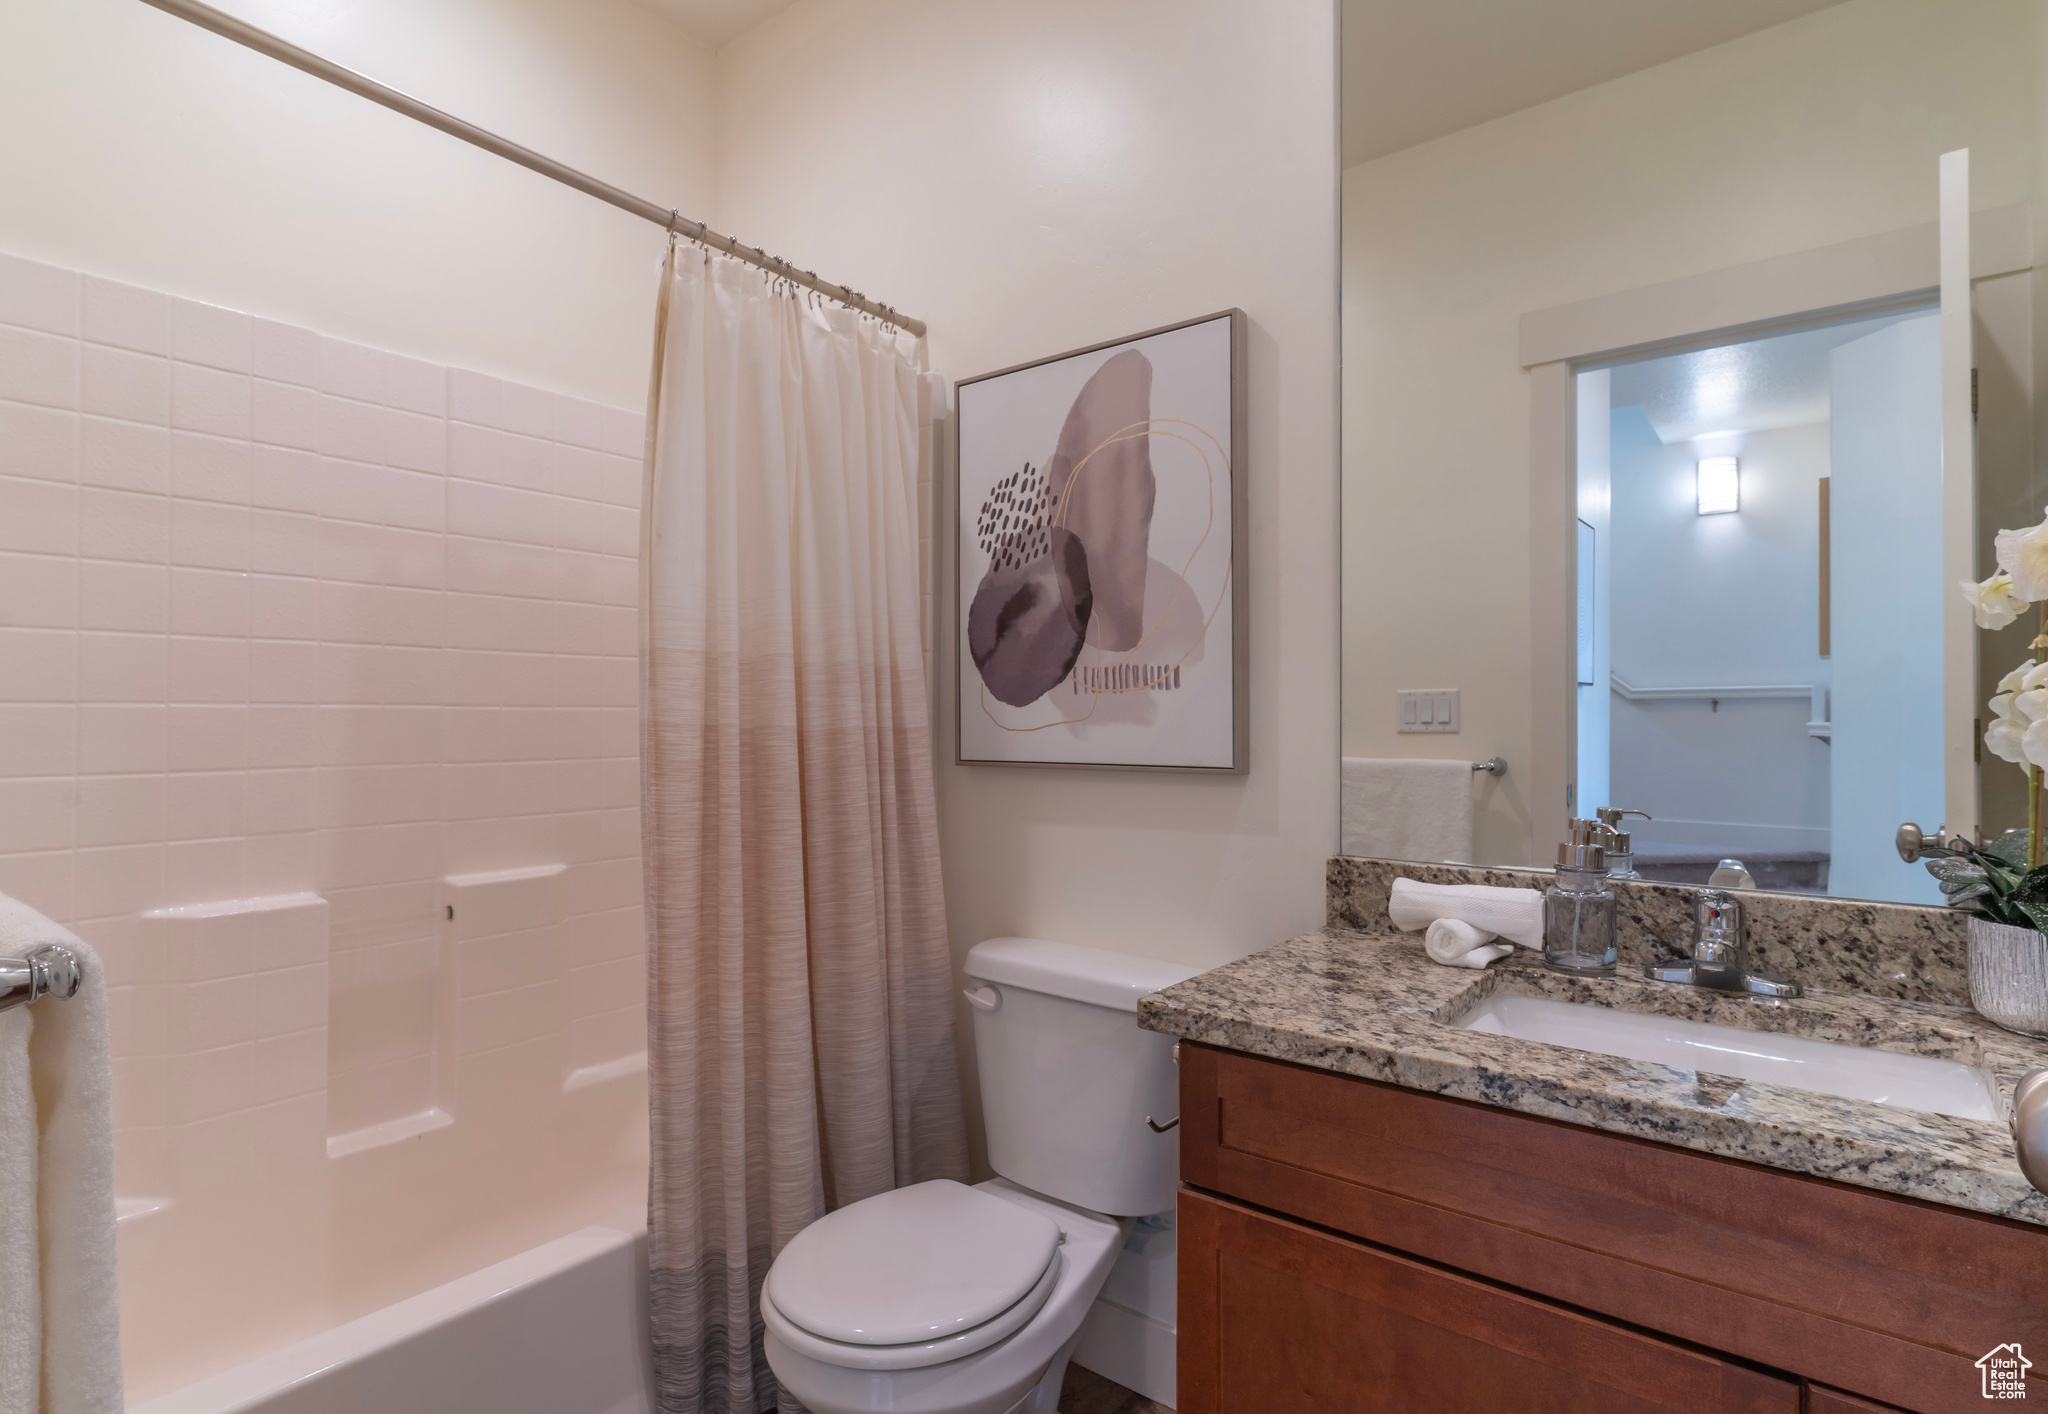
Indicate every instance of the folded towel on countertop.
{"type": "Point", "coordinates": [1456, 943]}
{"type": "Point", "coordinates": [60, 1339]}
{"type": "Point", "coordinates": [1514, 914]}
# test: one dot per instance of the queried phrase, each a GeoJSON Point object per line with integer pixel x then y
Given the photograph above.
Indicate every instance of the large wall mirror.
{"type": "Point", "coordinates": [1689, 371]}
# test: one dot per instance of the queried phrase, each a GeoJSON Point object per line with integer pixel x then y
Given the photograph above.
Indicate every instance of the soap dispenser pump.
{"type": "Point", "coordinates": [1621, 862]}
{"type": "Point", "coordinates": [1578, 909]}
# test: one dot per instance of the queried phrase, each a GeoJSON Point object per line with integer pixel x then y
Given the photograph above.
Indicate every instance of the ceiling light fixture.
{"type": "Point", "coordinates": [1720, 485]}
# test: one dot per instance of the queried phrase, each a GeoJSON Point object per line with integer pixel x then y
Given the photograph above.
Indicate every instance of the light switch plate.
{"type": "Point", "coordinates": [1428, 709]}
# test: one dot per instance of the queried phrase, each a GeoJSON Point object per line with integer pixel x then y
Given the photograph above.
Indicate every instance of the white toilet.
{"type": "Point", "coordinates": [945, 1299]}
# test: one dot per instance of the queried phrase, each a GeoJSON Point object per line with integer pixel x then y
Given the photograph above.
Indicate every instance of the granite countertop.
{"type": "Point", "coordinates": [1374, 1005]}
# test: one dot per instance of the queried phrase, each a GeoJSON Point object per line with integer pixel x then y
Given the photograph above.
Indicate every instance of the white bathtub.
{"type": "Point", "coordinates": [560, 1329]}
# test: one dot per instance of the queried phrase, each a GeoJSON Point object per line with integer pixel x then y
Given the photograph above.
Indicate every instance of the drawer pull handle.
{"type": "Point", "coordinates": [1161, 1128]}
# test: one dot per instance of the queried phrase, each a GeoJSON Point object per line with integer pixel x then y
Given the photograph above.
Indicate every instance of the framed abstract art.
{"type": "Point", "coordinates": [1099, 606]}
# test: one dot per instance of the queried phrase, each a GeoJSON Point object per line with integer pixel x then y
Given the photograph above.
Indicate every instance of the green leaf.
{"type": "Point", "coordinates": [2003, 881]}
{"type": "Point", "coordinates": [1957, 869]}
{"type": "Point", "coordinates": [2031, 898]}
{"type": "Point", "coordinates": [2010, 849]}
{"type": "Point", "coordinates": [1998, 911]}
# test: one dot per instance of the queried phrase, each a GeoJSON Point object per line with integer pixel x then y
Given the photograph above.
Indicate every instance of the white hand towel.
{"type": "Point", "coordinates": [60, 1339]}
{"type": "Point", "coordinates": [1514, 914]}
{"type": "Point", "coordinates": [1456, 943]}
{"type": "Point", "coordinates": [1407, 809]}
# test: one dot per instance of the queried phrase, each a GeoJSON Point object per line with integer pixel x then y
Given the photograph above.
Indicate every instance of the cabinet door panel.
{"type": "Point", "coordinates": [1279, 1317]}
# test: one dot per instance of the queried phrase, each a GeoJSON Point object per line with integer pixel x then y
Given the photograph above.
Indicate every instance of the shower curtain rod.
{"type": "Point", "coordinates": [264, 42]}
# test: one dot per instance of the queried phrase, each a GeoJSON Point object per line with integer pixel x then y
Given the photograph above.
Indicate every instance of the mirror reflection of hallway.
{"type": "Point", "coordinates": [1717, 487]}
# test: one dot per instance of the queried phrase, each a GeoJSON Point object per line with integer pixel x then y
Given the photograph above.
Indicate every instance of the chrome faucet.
{"type": "Point", "coordinates": [1720, 957]}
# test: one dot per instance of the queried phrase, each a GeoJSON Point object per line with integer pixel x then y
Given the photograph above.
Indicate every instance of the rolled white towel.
{"type": "Point", "coordinates": [1456, 943]}
{"type": "Point", "coordinates": [1514, 914]}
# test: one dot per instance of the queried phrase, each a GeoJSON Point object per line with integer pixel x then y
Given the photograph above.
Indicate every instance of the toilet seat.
{"type": "Point", "coordinates": [912, 1277]}
{"type": "Point", "coordinates": [832, 1378]}
{"type": "Point", "coordinates": [917, 1355]}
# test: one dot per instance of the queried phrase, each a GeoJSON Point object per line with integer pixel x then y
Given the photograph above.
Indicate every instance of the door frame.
{"type": "Point", "coordinates": [1848, 280]}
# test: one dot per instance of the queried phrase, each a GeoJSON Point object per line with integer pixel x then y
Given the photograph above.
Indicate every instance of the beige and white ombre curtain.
{"type": "Point", "coordinates": [800, 1016]}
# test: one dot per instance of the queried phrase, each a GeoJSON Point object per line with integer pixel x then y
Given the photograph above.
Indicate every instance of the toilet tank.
{"type": "Point", "coordinates": [1068, 1079]}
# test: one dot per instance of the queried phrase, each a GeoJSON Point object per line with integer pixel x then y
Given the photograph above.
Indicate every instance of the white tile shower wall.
{"type": "Point", "coordinates": [238, 991]}
{"type": "Point", "coordinates": [284, 614]}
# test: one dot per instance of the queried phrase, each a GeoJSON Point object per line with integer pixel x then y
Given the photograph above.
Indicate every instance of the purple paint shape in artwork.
{"type": "Point", "coordinates": [1102, 490]}
{"type": "Point", "coordinates": [1027, 622]}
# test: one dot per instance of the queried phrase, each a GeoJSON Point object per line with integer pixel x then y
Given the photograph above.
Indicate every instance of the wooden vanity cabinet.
{"type": "Point", "coordinates": [1348, 1245]}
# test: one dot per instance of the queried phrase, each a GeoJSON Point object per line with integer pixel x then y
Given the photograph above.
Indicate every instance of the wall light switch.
{"type": "Point", "coordinates": [1432, 709]}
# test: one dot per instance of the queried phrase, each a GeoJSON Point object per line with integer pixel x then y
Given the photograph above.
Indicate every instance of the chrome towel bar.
{"type": "Point", "coordinates": [1492, 765]}
{"type": "Point", "coordinates": [50, 971]}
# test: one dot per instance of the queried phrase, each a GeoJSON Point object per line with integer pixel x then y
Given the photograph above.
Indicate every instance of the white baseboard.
{"type": "Point", "coordinates": [1136, 1351]}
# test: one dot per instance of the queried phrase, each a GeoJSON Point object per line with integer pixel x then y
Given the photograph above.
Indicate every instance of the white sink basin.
{"type": "Point", "coordinates": [1910, 1082]}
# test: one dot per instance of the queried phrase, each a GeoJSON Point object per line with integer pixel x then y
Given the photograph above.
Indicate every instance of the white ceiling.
{"type": "Point", "coordinates": [716, 21]}
{"type": "Point", "coordinates": [1418, 69]}
{"type": "Point", "coordinates": [1775, 382]}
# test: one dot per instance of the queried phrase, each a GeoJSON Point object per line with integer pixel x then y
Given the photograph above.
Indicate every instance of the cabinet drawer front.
{"type": "Point", "coordinates": [1278, 1317]}
{"type": "Point", "coordinates": [1879, 1295]}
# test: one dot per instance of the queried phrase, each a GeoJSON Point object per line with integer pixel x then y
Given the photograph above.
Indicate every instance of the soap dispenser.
{"type": "Point", "coordinates": [1578, 909]}
{"type": "Point", "coordinates": [1621, 861]}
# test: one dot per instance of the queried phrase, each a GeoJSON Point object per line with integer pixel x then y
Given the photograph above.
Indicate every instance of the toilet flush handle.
{"type": "Point", "coordinates": [983, 998]}
{"type": "Point", "coordinates": [1154, 1125]}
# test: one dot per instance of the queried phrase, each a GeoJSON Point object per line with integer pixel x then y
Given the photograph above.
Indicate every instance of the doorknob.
{"type": "Point", "coordinates": [1912, 842]}
{"type": "Point", "coordinates": [1915, 844]}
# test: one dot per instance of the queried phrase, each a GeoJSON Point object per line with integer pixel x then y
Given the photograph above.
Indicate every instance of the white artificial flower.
{"type": "Point", "coordinates": [2019, 702]}
{"type": "Point", "coordinates": [2033, 742]}
{"type": "Point", "coordinates": [2031, 701]}
{"type": "Point", "coordinates": [2023, 554]}
{"type": "Point", "coordinates": [1993, 601]}
{"type": "Point", "coordinates": [2005, 739]}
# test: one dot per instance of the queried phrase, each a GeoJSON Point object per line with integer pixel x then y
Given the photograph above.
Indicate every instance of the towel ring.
{"type": "Point", "coordinates": [46, 971]}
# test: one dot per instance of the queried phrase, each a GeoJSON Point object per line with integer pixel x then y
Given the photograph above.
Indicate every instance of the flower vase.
{"type": "Point", "coordinates": [2009, 975]}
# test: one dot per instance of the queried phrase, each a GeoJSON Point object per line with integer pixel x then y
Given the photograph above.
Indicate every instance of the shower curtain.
{"type": "Point", "coordinates": [800, 1015]}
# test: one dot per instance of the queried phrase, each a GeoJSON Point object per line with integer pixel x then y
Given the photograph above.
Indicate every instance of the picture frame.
{"type": "Point", "coordinates": [1097, 622]}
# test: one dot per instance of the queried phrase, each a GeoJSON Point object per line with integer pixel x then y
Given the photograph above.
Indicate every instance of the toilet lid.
{"type": "Point", "coordinates": [918, 1264]}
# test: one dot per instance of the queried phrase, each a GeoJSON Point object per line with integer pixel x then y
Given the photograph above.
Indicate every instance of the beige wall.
{"type": "Point", "coordinates": [1815, 132]}
{"type": "Point", "coordinates": [1034, 178]}
{"type": "Point", "coordinates": [147, 150]}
